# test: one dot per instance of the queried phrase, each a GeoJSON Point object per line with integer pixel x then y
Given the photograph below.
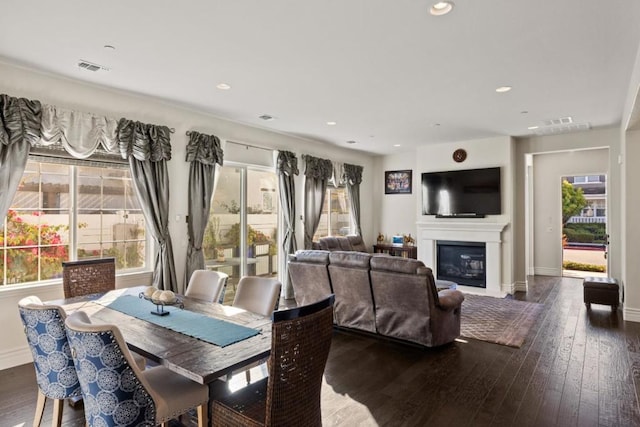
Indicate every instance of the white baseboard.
{"type": "Point", "coordinates": [547, 271]}
{"type": "Point", "coordinates": [15, 357]}
{"type": "Point", "coordinates": [520, 286]}
{"type": "Point", "coordinates": [631, 314]}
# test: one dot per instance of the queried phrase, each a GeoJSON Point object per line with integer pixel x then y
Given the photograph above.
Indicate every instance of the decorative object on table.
{"type": "Point", "coordinates": [397, 240]}
{"type": "Point", "coordinates": [397, 182]}
{"type": "Point", "coordinates": [220, 254]}
{"type": "Point", "coordinates": [408, 240]}
{"type": "Point", "coordinates": [459, 155]}
{"type": "Point", "coordinates": [160, 299]}
{"type": "Point", "coordinates": [380, 239]}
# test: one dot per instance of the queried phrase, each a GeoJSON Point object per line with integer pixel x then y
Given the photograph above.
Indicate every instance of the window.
{"type": "Point", "coordinates": [63, 212]}
{"type": "Point", "coordinates": [336, 214]}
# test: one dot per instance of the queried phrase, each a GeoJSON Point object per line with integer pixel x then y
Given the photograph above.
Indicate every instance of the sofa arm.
{"type": "Point", "coordinates": [450, 299]}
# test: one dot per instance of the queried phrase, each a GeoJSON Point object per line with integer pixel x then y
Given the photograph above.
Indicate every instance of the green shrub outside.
{"type": "Point", "coordinates": [571, 265]}
{"type": "Point", "coordinates": [586, 233]}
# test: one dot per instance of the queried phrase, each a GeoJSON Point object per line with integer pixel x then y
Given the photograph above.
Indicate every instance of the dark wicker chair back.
{"type": "Point", "coordinates": [301, 339]}
{"type": "Point", "coordinates": [300, 343]}
{"type": "Point", "coordinates": [90, 276]}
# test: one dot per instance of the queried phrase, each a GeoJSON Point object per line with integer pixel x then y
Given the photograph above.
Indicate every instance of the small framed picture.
{"type": "Point", "coordinates": [397, 182]}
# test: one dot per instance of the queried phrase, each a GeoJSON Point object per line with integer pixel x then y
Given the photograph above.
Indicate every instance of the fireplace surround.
{"type": "Point", "coordinates": [489, 233]}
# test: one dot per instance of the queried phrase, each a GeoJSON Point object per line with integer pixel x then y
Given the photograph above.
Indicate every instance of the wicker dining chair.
{"type": "Point", "coordinates": [290, 396]}
{"type": "Point", "coordinates": [115, 391]}
{"type": "Point", "coordinates": [91, 276]}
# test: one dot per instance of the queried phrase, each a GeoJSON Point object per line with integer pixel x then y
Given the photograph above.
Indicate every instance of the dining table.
{"type": "Point", "coordinates": [194, 358]}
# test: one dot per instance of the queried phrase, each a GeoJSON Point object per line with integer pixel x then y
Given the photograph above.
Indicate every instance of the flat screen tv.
{"type": "Point", "coordinates": [471, 192]}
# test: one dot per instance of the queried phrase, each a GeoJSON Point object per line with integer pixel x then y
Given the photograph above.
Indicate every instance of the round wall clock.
{"type": "Point", "coordinates": [459, 155]}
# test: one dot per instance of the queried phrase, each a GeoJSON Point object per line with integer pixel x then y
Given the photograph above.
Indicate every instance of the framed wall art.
{"type": "Point", "coordinates": [397, 182]}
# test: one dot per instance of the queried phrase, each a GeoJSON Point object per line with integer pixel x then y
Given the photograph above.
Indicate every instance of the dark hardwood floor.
{"type": "Point", "coordinates": [576, 368]}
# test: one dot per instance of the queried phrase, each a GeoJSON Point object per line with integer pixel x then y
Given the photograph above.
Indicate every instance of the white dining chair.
{"type": "Point", "coordinates": [259, 295]}
{"type": "Point", "coordinates": [207, 285]}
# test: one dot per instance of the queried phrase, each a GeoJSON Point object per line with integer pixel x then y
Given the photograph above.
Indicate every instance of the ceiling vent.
{"type": "Point", "coordinates": [558, 122]}
{"type": "Point", "coordinates": [90, 66]}
{"type": "Point", "coordinates": [562, 128]}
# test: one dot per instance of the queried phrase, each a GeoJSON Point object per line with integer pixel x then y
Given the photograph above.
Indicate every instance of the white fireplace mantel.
{"type": "Point", "coordinates": [465, 231]}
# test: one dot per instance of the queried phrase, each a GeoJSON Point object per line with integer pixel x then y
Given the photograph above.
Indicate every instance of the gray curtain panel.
{"type": "Point", "coordinates": [203, 152]}
{"type": "Point", "coordinates": [353, 178]}
{"type": "Point", "coordinates": [19, 129]}
{"type": "Point", "coordinates": [316, 177]}
{"type": "Point", "coordinates": [148, 148]}
{"type": "Point", "coordinates": [287, 168]}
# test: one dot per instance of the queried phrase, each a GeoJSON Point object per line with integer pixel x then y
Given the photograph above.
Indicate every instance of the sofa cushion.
{"type": "Point", "coordinates": [349, 273]}
{"type": "Point", "coordinates": [349, 259]}
{"type": "Point", "coordinates": [357, 244]}
{"type": "Point", "coordinates": [312, 256]}
{"type": "Point", "coordinates": [399, 265]}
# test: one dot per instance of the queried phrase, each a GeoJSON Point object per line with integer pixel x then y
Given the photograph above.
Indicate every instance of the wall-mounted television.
{"type": "Point", "coordinates": [463, 193]}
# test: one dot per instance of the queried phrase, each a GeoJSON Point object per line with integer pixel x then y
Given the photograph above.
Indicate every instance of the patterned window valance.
{"type": "Point", "coordinates": [144, 141]}
{"type": "Point", "coordinates": [80, 134]}
{"type": "Point", "coordinates": [317, 168]}
{"type": "Point", "coordinates": [204, 149]}
{"type": "Point", "coordinates": [19, 120]}
{"type": "Point", "coordinates": [288, 163]}
{"type": "Point", "coordinates": [353, 174]}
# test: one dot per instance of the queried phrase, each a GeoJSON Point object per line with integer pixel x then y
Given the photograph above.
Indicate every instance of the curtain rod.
{"type": "Point", "coordinates": [249, 145]}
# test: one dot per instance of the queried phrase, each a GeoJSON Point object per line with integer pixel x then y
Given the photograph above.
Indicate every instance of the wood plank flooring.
{"type": "Point", "coordinates": [576, 368]}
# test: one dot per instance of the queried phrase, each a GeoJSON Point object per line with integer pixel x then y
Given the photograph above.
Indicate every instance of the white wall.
{"type": "Point", "coordinates": [548, 169]}
{"type": "Point", "coordinates": [21, 82]}
{"type": "Point", "coordinates": [399, 213]}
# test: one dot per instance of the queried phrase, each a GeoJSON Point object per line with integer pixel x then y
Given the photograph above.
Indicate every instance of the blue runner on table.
{"type": "Point", "coordinates": [214, 331]}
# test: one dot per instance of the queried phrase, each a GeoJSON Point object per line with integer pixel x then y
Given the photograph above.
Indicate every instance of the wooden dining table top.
{"type": "Point", "coordinates": [195, 359]}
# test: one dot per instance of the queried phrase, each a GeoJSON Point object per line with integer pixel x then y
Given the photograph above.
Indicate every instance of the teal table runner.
{"type": "Point", "coordinates": [214, 331]}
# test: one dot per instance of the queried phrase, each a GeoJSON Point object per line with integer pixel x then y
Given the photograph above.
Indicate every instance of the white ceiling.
{"type": "Point", "coordinates": [385, 70]}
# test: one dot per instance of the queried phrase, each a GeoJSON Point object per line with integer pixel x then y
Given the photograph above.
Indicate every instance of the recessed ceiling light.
{"type": "Point", "coordinates": [109, 47]}
{"type": "Point", "coordinates": [532, 127]}
{"type": "Point", "coordinates": [503, 89]}
{"type": "Point", "coordinates": [435, 125]}
{"type": "Point", "coordinates": [351, 142]}
{"type": "Point", "coordinates": [332, 123]}
{"type": "Point", "coordinates": [223, 86]}
{"type": "Point", "coordinates": [266, 117]}
{"type": "Point", "coordinates": [396, 145]}
{"type": "Point", "coordinates": [441, 8]}
{"type": "Point", "coordinates": [524, 112]}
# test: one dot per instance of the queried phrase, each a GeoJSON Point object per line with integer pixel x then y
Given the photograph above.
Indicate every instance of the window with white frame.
{"type": "Point", "coordinates": [336, 214]}
{"type": "Point", "coordinates": [66, 210]}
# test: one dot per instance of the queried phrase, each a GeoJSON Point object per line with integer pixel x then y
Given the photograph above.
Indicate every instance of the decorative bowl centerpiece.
{"type": "Point", "coordinates": [161, 299]}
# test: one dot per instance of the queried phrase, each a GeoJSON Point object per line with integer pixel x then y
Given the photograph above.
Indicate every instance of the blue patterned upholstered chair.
{"type": "Point", "coordinates": [115, 391]}
{"type": "Point", "coordinates": [55, 372]}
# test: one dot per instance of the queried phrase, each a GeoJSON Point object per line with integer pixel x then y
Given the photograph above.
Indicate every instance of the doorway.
{"type": "Point", "coordinates": [585, 238]}
{"type": "Point", "coordinates": [242, 232]}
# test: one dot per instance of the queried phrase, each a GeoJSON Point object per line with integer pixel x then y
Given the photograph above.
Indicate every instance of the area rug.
{"type": "Point", "coordinates": [498, 320]}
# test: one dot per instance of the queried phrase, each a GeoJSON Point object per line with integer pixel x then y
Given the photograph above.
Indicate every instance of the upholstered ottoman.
{"type": "Point", "coordinates": [601, 290]}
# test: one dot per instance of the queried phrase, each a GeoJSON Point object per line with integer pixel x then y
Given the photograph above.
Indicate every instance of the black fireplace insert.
{"type": "Point", "coordinates": [462, 262]}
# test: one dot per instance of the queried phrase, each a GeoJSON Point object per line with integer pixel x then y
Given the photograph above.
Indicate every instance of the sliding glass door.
{"type": "Point", "coordinates": [242, 232]}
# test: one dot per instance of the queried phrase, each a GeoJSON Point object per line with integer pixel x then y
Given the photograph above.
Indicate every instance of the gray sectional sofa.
{"type": "Point", "coordinates": [391, 296]}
